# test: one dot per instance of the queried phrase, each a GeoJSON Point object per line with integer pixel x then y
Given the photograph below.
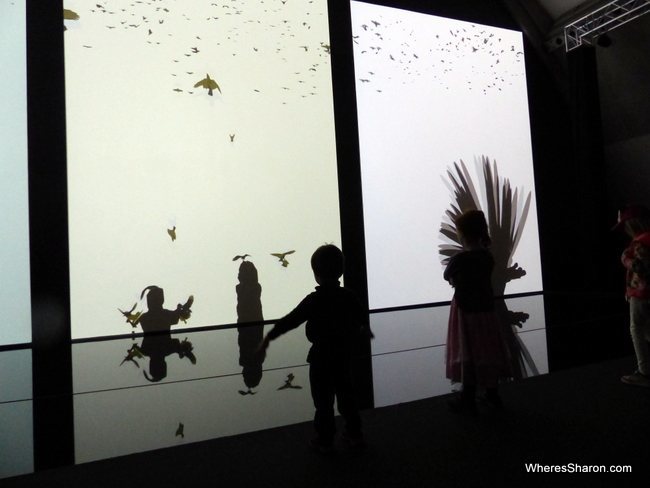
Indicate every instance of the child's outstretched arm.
{"type": "Point", "coordinates": [289, 322]}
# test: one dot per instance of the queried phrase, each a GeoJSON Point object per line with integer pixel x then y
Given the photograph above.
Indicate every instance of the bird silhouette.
{"type": "Point", "coordinates": [185, 309]}
{"type": "Point", "coordinates": [288, 383]}
{"type": "Point", "coordinates": [180, 431]}
{"type": "Point", "coordinates": [282, 257]}
{"type": "Point", "coordinates": [242, 257]}
{"type": "Point", "coordinates": [70, 14]}
{"type": "Point", "coordinates": [172, 233]}
{"type": "Point", "coordinates": [131, 354]}
{"type": "Point", "coordinates": [131, 318]}
{"type": "Point", "coordinates": [208, 83]}
{"type": "Point", "coordinates": [249, 392]}
{"type": "Point", "coordinates": [232, 137]}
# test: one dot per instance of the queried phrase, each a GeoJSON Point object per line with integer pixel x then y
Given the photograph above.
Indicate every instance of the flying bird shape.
{"type": "Point", "coordinates": [282, 257]}
{"type": "Point", "coordinates": [288, 383]}
{"type": "Point", "coordinates": [132, 353]}
{"type": "Point", "coordinates": [131, 318]}
{"type": "Point", "coordinates": [185, 309]}
{"type": "Point", "coordinates": [70, 14]}
{"type": "Point", "coordinates": [209, 84]}
{"type": "Point", "coordinates": [242, 257]}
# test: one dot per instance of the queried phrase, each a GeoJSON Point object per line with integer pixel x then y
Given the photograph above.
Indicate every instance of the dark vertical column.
{"type": "Point", "coordinates": [582, 306]}
{"type": "Point", "coordinates": [588, 151]}
{"type": "Point", "coordinates": [349, 170]}
{"type": "Point", "coordinates": [600, 266]}
{"type": "Point", "coordinates": [52, 370]}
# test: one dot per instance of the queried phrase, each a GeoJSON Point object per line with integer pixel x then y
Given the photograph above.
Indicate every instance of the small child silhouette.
{"type": "Point", "coordinates": [477, 354]}
{"type": "Point", "coordinates": [335, 322]}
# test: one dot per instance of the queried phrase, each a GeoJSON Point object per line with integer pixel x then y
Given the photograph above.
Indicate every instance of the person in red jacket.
{"type": "Point", "coordinates": [635, 220]}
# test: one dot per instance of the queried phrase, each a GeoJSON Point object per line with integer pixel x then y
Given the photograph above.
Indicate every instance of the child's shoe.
{"type": "Point", "coordinates": [636, 379]}
{"type": "Point", "coordinates": [354, 442]}
{"type": "Point", "coordinates": [461, 404]}
{"type": "Point", "coordinates": [321, 446]}
{"type": "Point", "coordinates": [493, 399]}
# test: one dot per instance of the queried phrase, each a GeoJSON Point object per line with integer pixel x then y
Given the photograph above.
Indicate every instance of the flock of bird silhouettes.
{"type": "Point", "coordinates": [397, 51]}
{"type": "Point", "coordinates": [230, 19]}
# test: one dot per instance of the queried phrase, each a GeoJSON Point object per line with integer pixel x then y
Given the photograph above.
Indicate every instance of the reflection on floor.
{"type": "Point", "coordinates": [134, 395]}
{"type": "Point", "coordinates": [409, 349]}
{"type": "Point", "coordinates": [16, 427]}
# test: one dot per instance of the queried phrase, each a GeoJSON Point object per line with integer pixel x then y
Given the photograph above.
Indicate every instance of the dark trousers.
{"type": "Point", "coordinates": [328, 382]}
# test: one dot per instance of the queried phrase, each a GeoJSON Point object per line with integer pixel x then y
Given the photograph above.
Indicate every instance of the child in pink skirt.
{"type": "Point", "coordinates": [477, 355]}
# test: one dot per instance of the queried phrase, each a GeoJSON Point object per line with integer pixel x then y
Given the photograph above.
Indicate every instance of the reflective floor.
{"type": "Point", "coordinates": [143, 393]}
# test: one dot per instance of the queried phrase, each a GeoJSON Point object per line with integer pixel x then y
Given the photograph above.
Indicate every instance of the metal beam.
{"type": "Point", "coordinates": [608, 17]}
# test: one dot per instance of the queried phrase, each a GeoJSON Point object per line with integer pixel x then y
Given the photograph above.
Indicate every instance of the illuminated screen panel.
{"type": "Point", "coordinates": [196, 132]}
{"type": "Point", "coordinates": [443, 126]}
{"type": "Point", "coordinates": [15, 326]}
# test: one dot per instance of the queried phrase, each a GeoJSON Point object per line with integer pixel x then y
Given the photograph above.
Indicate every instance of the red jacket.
{"type": "Point", "coordinates": [638, 268]}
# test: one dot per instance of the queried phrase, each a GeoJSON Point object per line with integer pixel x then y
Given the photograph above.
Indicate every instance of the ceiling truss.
{"type": "Point", "coordinates": [603, 19]}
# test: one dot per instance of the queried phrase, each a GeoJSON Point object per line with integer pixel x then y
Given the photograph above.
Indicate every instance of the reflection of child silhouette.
{"type": "Point", "coordinates": [157, 347]}
{"type": "Point", "coordinates": [159, 319]}
{"type": "Point", "coordinates": [249, 309]}
{"type": "Point", "coordinates": [476, 350]}
{"type": "Point", "coordinates": [335, 321]}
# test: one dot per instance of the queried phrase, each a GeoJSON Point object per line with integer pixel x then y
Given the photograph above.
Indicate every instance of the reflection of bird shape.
{"type": "Point", "coordinates": [208, 83]}
{"type": "Point", "coordinates": [185, 349]}
{"type": "Point", "coordinates": [180, 431]}
{"type": "Point", "coordinates": [288, 383]}
{"type": "Point", "coordinates": [242, 257]}
{"type": "Point", "coordinates": [131, 354]}
{"type": "Point", "coordinates": [282, 257]}
{"type": "Point", "coordinates": [172, 233]}
{"type": "Point", "coordinates": [131, 318]}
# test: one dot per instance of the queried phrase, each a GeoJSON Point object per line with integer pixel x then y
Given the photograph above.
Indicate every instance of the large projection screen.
{"type": "Point", "coordinates": [15, 327]}
{"type": "Point", "coordinates": [196, 132]}
{"type": "Point", "coordinates": [439, 98]}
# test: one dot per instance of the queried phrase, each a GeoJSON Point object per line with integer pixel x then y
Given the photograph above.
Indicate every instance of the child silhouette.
{"type": "Point", "coordinates": [477, 355]}
{"type": "Point", "coordinates": [335, 322]}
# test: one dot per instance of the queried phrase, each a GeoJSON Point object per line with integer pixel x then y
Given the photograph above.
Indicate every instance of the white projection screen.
{"type": "Point", "coordinates": [441, 98]}
{"type": "Point", "coordinates": [15, 327]}
{"type": "Point", "coordinates": [196, 132]}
